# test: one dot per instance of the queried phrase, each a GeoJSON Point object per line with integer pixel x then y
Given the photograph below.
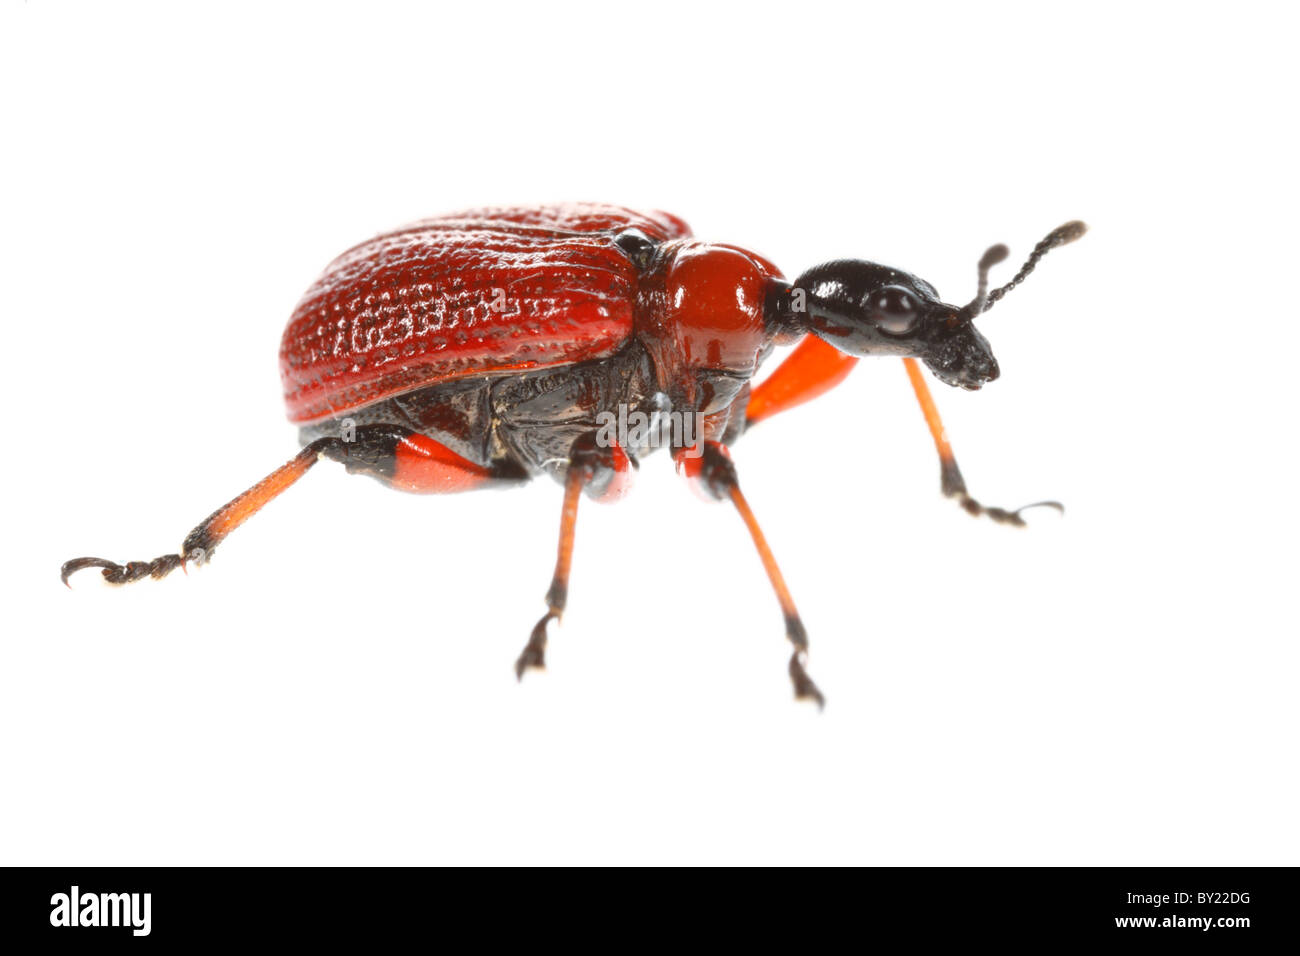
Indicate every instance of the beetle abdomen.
{"type": "Point", "coordinates": [473, 293]}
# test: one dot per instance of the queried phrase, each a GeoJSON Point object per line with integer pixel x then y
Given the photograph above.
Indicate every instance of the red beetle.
{"type": "Point", "coordinates": [495, 344]}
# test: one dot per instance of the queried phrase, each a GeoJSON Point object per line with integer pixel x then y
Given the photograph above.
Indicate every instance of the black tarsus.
{"type": "Point", "coordinates": [115, 573]}
{"type": "Point", "coordinates": [954, 486]}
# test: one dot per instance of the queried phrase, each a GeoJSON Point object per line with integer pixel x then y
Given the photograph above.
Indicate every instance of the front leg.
{"type": "Point", "coordinates": [952, 483]}
{"type": "Point", "coordinates": [811, 370]}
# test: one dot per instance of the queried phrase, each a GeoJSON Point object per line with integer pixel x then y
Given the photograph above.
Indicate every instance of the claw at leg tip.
{"type": "Point", "coordinates": [534, 653]}
{"type": "Point", "coordinates": [804, 688]}
{"type": "Point", "coordinates": [80, 564]}
{"type": "Point", "coordinates": [811, 693]}
{"type": "Point", "coordinates": [528, 661]}
{"type": "Point", "coordinates": [1055, 505]}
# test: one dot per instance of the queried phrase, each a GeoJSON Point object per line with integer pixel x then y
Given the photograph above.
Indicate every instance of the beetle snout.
{"type": "Point", "coordinates": [963, 359]}
{"type": "Point", "coordinates": [983, 373]}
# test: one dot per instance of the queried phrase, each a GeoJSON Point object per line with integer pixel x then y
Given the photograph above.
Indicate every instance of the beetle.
{"type": "Point", "coordinates": [490, 346]}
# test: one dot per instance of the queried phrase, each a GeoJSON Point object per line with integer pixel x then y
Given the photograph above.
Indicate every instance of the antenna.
{"type": "Point", "coordinates": [1060, 236]}
{"type": "Point", "coordinates": [992, 256]}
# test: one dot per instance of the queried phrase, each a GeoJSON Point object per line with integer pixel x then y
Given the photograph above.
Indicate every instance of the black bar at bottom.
{"type": "Point", "coordinates": [1231, 907]}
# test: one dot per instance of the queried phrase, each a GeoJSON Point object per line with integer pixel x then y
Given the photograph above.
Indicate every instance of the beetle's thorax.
{"type": "Point", "coordinates": [700, 315]}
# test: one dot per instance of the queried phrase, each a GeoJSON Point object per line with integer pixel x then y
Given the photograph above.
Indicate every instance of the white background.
{"type": "Point", "coordinates": [1116, 687]}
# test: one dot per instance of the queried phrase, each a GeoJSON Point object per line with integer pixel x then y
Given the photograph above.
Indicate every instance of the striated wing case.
{"type": "Point", "coordinates": [477, 292]}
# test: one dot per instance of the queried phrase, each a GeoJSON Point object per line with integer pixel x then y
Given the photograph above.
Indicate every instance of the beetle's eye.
{"type": "Point", "coordinates": [894, 311]}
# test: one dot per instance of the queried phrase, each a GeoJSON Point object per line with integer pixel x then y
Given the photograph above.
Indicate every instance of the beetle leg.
{"type": "Point", "coordinates": [714, 475]}
{"type": "Point", "coordinates": [605, 474]}
{"type": "Point", "coordinates": [203, 540]}
{"type": "Point", "coordinates": [812, 368]}
{"type": "Point", "coordinates": [392, 454]}
{"type": "Point", "coordinates": [952, 483]}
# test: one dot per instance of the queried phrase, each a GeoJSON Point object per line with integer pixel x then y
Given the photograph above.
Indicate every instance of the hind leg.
{"type": "Point", "coordinates": [402, 458]}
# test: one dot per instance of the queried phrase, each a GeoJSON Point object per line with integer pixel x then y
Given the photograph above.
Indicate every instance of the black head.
{"type": "Point", "coordinates": [868, 309]}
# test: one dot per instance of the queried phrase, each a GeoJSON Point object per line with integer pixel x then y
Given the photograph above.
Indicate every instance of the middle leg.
{"type": "Point", "coordinates": [604, 473]}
